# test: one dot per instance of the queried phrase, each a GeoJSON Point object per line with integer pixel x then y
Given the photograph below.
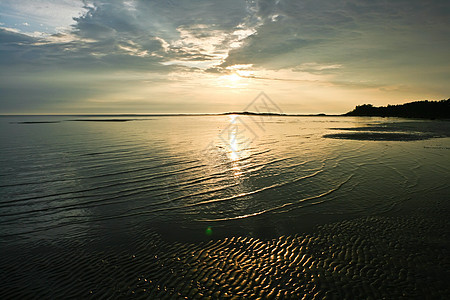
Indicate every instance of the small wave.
{"type": "Point", "coordinates": [211, 201]}
{"type": "Point", "coordinates": [105, 185]}
{"type": "Point", "coordinates": [281, 206]}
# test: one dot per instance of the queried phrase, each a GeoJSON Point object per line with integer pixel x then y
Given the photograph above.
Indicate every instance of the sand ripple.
{"type": "Point", "coordinates": [374, 257]}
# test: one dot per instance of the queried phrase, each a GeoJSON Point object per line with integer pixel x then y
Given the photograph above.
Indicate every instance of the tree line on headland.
{"type": "Point", "coordinates": [417, 109]}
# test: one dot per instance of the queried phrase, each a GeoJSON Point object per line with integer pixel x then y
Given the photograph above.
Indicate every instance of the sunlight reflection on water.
{"type": "Point", "coordinates": [157, 170]}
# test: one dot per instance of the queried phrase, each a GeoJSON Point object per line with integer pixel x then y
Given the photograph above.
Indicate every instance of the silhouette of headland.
{"type": "Point", "coordinates": [417, 109]}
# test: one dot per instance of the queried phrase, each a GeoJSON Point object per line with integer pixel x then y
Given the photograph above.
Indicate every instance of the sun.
{"type": "Point", "coordinates": [232, 80]}
{"type": "Point", "coordinates": [234, 77]}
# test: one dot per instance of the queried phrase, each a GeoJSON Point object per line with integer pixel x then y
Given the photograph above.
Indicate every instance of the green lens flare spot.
{"type": "Point", "coordinates": [208, 230]}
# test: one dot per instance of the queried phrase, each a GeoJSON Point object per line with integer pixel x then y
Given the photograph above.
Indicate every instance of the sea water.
{"type": "Point", "coordinates": [118, 206]}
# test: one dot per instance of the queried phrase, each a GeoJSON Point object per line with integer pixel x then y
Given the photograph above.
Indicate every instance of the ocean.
{"type": "Point", "coordinates": [191, 207]}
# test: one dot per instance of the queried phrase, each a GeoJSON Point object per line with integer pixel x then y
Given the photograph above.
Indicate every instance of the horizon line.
{"type": "Point", "coordinates": [170, 114]}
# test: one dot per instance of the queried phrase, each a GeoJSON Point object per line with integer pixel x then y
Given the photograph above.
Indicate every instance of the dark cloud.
{"type": "Point", "coordinates": [334, 28]}
{"type": "Point", "coordinates": [10, 45]}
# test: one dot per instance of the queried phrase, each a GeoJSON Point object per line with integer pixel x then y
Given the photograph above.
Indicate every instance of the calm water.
{"type": "Point", "coordinates": [89, 186]}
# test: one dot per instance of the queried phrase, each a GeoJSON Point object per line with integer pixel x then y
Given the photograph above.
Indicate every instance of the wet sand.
{"type": "Point", "coordinates": [370, 258]}
{"type": "Point", "coordinates": [398, 131]}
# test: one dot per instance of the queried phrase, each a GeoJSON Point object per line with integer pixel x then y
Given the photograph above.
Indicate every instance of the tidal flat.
{"type": "Point", "coordinates": [177, 207]}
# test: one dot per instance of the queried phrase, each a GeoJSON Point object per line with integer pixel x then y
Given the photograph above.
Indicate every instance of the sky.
{"type": "Point", "coordinates": [212, 56]}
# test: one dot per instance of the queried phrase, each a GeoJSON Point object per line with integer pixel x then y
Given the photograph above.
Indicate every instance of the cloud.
{"type": "Point", "coordinates": [32, 15]}
{"type": "Point", "coordinates": [333, 28]}
{"type": "Point", "coordinates": [316, 68]}
{"type": "Point", "coordinates": [382, 42]}
{"type": "Point", "coordinates": [354, 44]}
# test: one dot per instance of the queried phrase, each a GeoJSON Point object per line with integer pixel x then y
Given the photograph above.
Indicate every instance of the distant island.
{"type": "Point", "coordinates": [250, 113]}
{"type": "Point", "coordinates": [417, 109]}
